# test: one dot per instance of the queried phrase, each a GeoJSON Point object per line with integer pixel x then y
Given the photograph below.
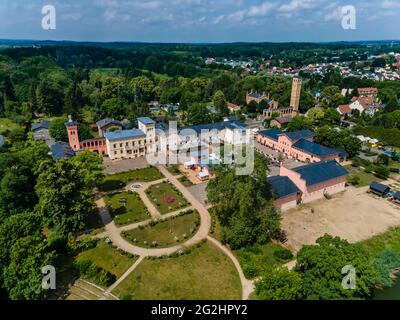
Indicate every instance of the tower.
{"type": "Point", "coordinates": [296, 92]}
{"type": "Point", "coordinates": [73, 136]}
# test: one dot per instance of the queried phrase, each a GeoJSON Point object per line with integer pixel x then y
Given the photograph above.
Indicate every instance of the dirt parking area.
{"type": "Point", "coordinates": [354, 215]}
{"type": "Point", "coordinates": [122, 165]}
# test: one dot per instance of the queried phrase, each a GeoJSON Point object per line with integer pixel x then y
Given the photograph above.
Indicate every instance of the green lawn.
{"type": "Point", "coordinates": [127, 208]}
{"type": "Point", "coordinates": [7, 125]}
{"type": "Point", "coordinates": [185, 181]}
{"type": "Point", "coordinates": [167, 233]}
{"type": "Point", "coordinates": [365, 178]}
{"type": "Point", "coordinates": [204, 273]}
{"type": "Point", "coordinates": [108, 258]}
{"type": "Point", "coordinates": [174, 169]}
{"type": "Point", "coordinates": [166, 197]}
{"type": "Point", "coordinates": [257, 258]}
{"type": "Point", "coordinates": [120, 180]}
{"type": "Point", "coordinates": [387, 240]}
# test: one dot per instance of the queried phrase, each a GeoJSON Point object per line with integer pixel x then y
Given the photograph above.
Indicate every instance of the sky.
{"type": "Point", "coordinates": [199, 21]}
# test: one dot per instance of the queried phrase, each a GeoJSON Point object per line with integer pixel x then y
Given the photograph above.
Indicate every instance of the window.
{"type": "Point", "coordinates": [115, 145]}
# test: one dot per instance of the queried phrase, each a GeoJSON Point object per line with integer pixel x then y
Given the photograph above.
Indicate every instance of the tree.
{"type": "Point", "coordinates": [382, 172]}
{"type": "Point", "coordinates": [331, 116]}
{"type": "Point", "coordinates": [16, 191]}
{"type": "Point", "coordinates": [299, 123]}
{"type": "Point", "coordinates": [243, 205]}
{"type": "Point", "coordinates": [23, 276]}
{"type": "Point", "coordinates": [321, 268]}
{"type": "Point", "coordinates": [220, 103]}
{"type": "Point", "coordinates": [64, 197]}
{"type": "Point", "coordinates": [279, 284]}
{"type": "Point", "coordinates": [383, 159]}
{"type": "Point", "coordinates": [342, 139]}
{"type": "Point", "coordinates": [91, 166]}
{"type": "Point", "coordinates": [198, 114]}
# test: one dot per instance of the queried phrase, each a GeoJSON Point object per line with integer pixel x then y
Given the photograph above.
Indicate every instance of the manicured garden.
{"type": "Point", "coordinates": [185, 181]}
{"type": "Point", "coordinates": [120, 180]}
{"type": "Point", "coordinates": [174, 169]}
{"type": "Point", "coordinates": [108, 258]}
{"type": "Point", "coordinates": [166, 198]}
{"type": "Point", "coordinates": [258, 258]}
{"type": "Point", "coordinates": [200, 273]}
{"type": "Point", "coordinates": [162, 234]}
{"type": "Point", "coordinates": [127, 208]}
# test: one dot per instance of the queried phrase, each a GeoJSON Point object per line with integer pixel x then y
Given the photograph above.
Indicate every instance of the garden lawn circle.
{"type": "Point", "coordinates": [165, 233]}
{"type": "Point", "coordinates": [166, 198]}
{"type": "Point", "coordinates": [127, 208]}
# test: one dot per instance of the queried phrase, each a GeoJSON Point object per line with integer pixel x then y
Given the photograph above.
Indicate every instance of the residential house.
{"type": "Point", "coordinates": [107, 125]}
{"type": "Point", "coordinates": [281, 122]}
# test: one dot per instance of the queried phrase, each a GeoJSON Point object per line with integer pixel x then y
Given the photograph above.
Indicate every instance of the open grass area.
{"type": "Point", "coordinates": [120, 180]}
{"type": "Point", "coordinates": [127, 208]}
{"type": "Point", "coordinates": [365, 178]}
{"type": "Point", "coordinates": [387, 240]}
{"type": "Point", "coordinates": [204, 273]}
{"type": "Point", "coordinates": [7, 125]}
{"type": "Point", "coordinates": [257, 258]}
{"type": "Point", "coordinates": [166, 197]}
{"type": "Point", "coordinates": [185, 181]}
{"type": "Point", "coordinates": [167, 233]}
{"type": "Point", "coordinates": [109, 258]}
{"type": "Point", "coordinates": [174, 169]}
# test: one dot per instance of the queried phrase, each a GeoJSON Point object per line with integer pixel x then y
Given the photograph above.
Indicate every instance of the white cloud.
{"type": "Point", "coordinates": [295, 5]}
{"type": "Point", "coordinates": [389, 4]}
{"type": "Point", "coordinates": [336, 15]}
{"type": "Point", "coordinates": [75, 16]}
{"type": "Point", "coordinates": [112, 15]}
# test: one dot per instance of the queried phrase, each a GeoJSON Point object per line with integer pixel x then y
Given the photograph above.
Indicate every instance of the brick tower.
{"type": "Point", "coordinates": [296, 92]}
{"type": "Point", "coordinates": [73, 137]}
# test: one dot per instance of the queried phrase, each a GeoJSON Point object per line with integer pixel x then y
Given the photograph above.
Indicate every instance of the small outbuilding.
{"type": "Point", "coordinates": [379, 189]}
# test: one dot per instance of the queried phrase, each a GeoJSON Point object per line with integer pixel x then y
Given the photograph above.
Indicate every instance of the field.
{"type": "Point", "coordinates": [127, 208]}
{"type": "Point", "coordinates": [165, 234]}
{"type": "Point", "coordinates": [108, 258]}
{"type": "Point", "coordinates": [166, 198]}
{"type": "Point", "coordinates": [204, 273]}
{"type": "Point", "coordinates": [120, 180]}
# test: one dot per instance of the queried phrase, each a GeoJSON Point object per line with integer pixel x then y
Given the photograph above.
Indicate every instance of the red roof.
{"type": "Point", "coordinates": [366, 102]}
{"type": "Point", "coordinates": [344, 109]}
{"type": "Point", "coordinates": [369, 90]}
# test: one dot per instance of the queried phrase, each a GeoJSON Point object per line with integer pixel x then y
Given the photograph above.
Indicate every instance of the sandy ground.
{"type": "Point", "coordinates": [354, 215]}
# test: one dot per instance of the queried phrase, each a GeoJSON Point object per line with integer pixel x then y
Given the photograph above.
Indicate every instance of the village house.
{"type": "Point", "coordinates": [368, 92]}
{"type": "Point", "coordinates": [366, 105]}
{"type": "Point", "coordinates": [307, 183]}
{"type": "Point", "coordinates": [344, 110]}
{"type": "Point", "coordinates": [107, 125]}
{"type": "Point", "coordinates": [298, 145]}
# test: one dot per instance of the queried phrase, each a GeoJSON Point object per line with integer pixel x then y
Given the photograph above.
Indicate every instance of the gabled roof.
{"type": "Point", "coordinates": [273, 133]}
{"type": "Point", "coordinates": [146, 120]}
{"type": "Point", "coordinates": [284, 120]}
{"type": "Point", "coordinates": [297, 135]}
{"type": "Point", "coordinates": [107, 121]}
{"type": "Point", "coordinates": [315, 148]}
{"type": "Point", "coordinates": [61, 150]}
{"type": "Point", "coordinates": [344, 109]}
{"type": "Point", "coordinates": [370, 90]}
{"type": "Point", "coordinates": [379, 187]}
{"type": "Point", "coordinates": [40, 125]}
{"type": "Point", "coordinates": [124, 134]}
{"type": "Point", "coordinates": [283, 186]}
{"type": "Point", "coordinates": [255, 95]}
{"type": "Point", "coordinates": [321, 171]}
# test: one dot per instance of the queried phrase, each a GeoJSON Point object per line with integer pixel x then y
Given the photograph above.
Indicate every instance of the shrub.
{"type": "Point", "coordinates": [283, 255]}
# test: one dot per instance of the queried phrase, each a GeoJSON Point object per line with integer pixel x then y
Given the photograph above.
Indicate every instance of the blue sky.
{"type": "Point", "coordinates": [200, 20]}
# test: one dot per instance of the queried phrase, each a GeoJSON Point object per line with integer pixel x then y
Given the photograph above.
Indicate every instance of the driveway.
{"type": "Point", "coordinates": [354, 215]}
